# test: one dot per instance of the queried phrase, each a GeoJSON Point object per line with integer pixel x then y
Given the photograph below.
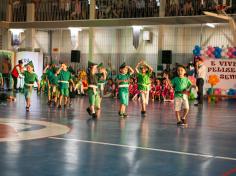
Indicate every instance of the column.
{"type": "Point", "coordinates": [30, 33]}
{"type": "Point", "coordinates": [9, 13]}
{"type": "Point", "coordinates": [91, 30]}
{"type": "Point", "coordinates": [6, 39]}
{"type": "Point", "coordinates": [6, 35]}
{"type": "Point", "coordinates": [91, 44]}
{"type": "Point", "coordinates": [162, 8]}
{"type": "Point", "coordinates": [161, 31]}
{"type": "Point", "coordinates": [118, 49]}
{"type": "Point", "coordinates": [92, 12]}
{"type": "Point", "coordinates": [160, 43]}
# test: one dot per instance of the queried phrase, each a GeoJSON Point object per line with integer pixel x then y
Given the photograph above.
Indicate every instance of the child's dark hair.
{"type": "Point", "coordinates": [181, 66]}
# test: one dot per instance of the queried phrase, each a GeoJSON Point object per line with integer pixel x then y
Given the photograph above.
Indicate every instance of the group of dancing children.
{"type": "Point", "coordinates": [177, 88]}
{"type": "Point", "coordinates": [61, 83]}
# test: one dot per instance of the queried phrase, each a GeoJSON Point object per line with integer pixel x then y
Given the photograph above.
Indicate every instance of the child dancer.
{"type": "Point", "coordinates": [52, 82]}
{"type": "Point", "coordinates": [29, 78]}
{"type": "Point", "coordinates": [43, 83]}
{"type": "Point", "coordinates": [181, 84]}
{"type": "Point", "coordinates": [158, 89]}
{"type": "Point", "coordinates": [144, 83]}
{"type": "Point", "coordinates": [94, 98]}
{"type": "Point", "coordinates": [153, 90]}
{"type": "Point", "coordinates": [167, 91]}
{"type": "Point", "coordinates": [101, 80]}
{"type": "Point", "coordinates": [64, 77]}
{"type": "Point", "coordinates": [54, 87]}
{"type": "Point", "coordinates": [136, 92]}
{"type": "Point", "coordinates": [109, 90]}
{"type": "Point", "coordinates": [123, 85]}
{"type": "Point", "coordinates": [1, 81]}
{"type": "Point", "coordinates": [48, 72]}
{"type": "Point", "coordinates": [131, 88]}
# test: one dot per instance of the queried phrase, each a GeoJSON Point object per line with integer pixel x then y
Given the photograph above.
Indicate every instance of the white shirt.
{"type": "Point", "coordinates": [202, 71]}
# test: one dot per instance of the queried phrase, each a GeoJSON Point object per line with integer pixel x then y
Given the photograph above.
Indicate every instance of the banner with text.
{"type": "Point", "coordinates": [225, 70]}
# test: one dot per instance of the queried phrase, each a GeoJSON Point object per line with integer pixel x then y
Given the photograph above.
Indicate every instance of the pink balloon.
{"type": "Point", "coordinates": [208, 52]}
{"type": "Point", "coordinates": [217, 91]}
{"type": "Point", "coordinates": [209, 47]}
{"type": "Point", "coordinates": [230, 49]}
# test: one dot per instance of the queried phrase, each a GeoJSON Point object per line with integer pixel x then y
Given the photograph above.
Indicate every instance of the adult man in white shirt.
{"type": "Point", "coordinates": [201, 71]}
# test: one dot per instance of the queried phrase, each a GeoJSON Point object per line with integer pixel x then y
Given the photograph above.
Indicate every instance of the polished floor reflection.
{"type": "Point", "coordinates": [111, 146]}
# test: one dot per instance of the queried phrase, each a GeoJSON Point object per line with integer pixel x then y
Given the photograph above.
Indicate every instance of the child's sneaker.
{"type": "Point", "coordinates": [184, 123]}
{"type": "Point", "coordinates": [143, 112]}
{"type": "Point", "coordinates": [89, 111]}
{"type": "Point", "coordinates": [94, 115]}
{"type": "Point", "coordinates": [121, 114]}
{"type": "Point", "coordinates": [179, 123]}
{"type": "Point", "coordinates": [125, 115]}
{"type": "Point", "coordinates": [27, 108]}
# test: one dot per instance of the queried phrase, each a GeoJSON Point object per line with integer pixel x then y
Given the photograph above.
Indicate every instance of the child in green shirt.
{"type": "Point", "coordinates": [123, 85]}
{"type": "Point", "coordinates": [29, 78]}
{"type": "Point", "coordinates": [181, 84]}
{"type": "Point", "coordinates": [94, 97]}
{"type": "Point", "coordinates": [144, 83]}
{"type": "Point", "coordinates": [64, 77]}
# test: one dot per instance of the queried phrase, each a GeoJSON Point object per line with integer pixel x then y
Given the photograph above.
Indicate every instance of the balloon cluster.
{"type": "Point", "coordinates": [215, 52]}
{"type": "Point", "coordinates": [217, 91]}
{"type": "Point", "coordinates": [213, 80]}
{"type": "Point", "coordinates": [232, 92]}
{"type": "Point", "coordinates": [197, 50]}
{"type": "Point", "coordinates": [210, 51]}
{"type": "Point", "coordinates": [229, 52]}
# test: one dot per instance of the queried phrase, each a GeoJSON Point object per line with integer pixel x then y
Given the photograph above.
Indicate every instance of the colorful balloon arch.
{"type": "Point", "coordinates": [215, 52]}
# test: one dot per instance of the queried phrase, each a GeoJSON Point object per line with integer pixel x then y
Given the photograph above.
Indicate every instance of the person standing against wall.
{"type": "Point", "coordinates": [6, 70]}
{"type": "Point", "coordinates": [201, 71]}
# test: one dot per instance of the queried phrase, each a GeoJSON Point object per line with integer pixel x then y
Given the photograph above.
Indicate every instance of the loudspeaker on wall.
{"type": "Point", "coordinates": [75, 56]}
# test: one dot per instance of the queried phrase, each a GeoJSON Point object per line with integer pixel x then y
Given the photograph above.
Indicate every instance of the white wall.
{"type": "Point", "coordinates": [116, 45]}
{"type": "Point", "coordinates": [182, 39]}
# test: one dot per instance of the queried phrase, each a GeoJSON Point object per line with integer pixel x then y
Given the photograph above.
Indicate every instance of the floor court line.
{"type": "Point", "coordinates": [147, 148]}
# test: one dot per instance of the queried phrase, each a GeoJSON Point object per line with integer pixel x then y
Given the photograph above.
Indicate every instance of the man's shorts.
{"type": "Point", "coordinates": [181, 103]}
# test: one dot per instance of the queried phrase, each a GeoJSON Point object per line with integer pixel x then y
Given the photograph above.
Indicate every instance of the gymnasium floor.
{"type": "Point", "coordinates": [34, 143]}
